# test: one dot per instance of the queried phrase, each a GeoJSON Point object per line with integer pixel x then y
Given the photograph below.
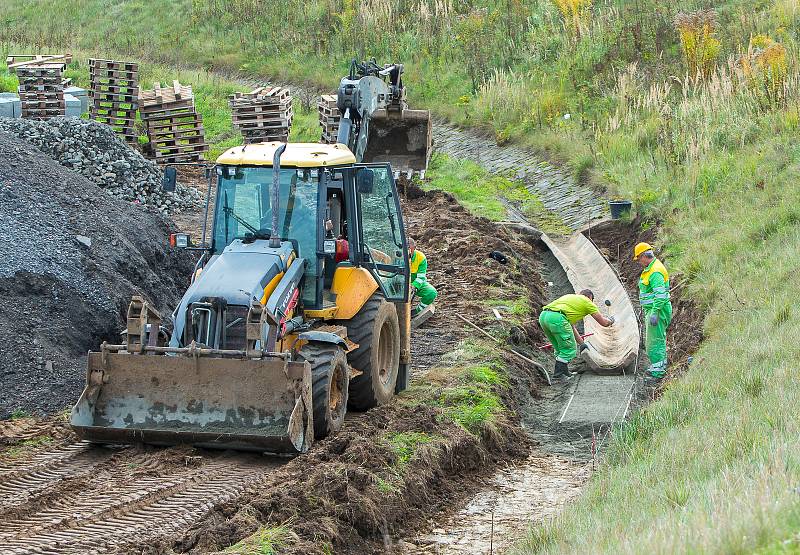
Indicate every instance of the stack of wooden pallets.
{"type": "Point", "coordinates": [329, 117]}
{"type": "Point", "coordinates": [264, 114]}
{"type": "Point", "coordinates": [41, 91]}
{"type": "Point", "coordinates": [114, 95]}
{"type": "Point", "coordinates": [174, 127]}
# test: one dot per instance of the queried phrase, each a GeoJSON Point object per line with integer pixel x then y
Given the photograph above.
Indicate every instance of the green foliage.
{"type": "Point", "coordinates": [17, 414]}
{"type": "Point", "coordinates": [406, 444]}
{"type": "Point", "coordinates": [471, 407]}
{"type": "Point", "coordinates": [700, 48]}
{"type": "Point", "coordinates": [27, 445]}
{"type": "Point", "coordinates": [384, 486]}
{"type": "Point", "coordinates": [485, 194]}
{"type": "Point", "coordinates": [267, 541]}
{"type": "Point", "coordinates": [8, 82]}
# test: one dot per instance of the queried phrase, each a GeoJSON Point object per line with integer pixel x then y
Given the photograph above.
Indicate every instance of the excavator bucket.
{"type": "Point", "coordinates": [221, 403]}
{"type": "Point", "coordinates": [403, 138]}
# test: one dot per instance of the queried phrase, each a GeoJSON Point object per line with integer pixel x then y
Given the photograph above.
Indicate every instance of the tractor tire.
{"type": "Point", "coordinates": [330, 377]}
{"type": "Point", "coordinates": [376, 330]}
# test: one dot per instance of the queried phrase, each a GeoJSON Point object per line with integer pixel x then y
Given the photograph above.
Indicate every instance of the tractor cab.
{"type": "Point", "coordinates": [338, 215]}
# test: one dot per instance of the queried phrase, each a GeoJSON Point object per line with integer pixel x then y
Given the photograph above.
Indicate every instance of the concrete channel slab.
{"type": "Point", "coordinates": [612, 349]}
{"type": "Point", "coordinates": [598, 400]}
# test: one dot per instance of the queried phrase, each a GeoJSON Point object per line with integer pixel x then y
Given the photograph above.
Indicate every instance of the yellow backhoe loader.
{"type": "Point", "coordinates": [299, 305]}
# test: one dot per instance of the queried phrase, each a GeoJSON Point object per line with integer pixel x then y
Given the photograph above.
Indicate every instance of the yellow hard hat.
{"type": "Point", "coordinates": [640, 248]}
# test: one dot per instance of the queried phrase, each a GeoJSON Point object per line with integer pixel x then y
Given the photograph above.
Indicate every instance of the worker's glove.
{"type": "Point", "coordinates": [654, 319]}
{"type": "Point", "coordinates": [582, 347]}
{"type": "Point", "coordinates": [612, 320]}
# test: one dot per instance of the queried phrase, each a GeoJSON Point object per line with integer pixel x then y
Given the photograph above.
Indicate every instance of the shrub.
{"type": "Point", "coordinates": [700, 48]}
{"type": "Point", "coordinates": [766, 68]}
{"type": "Point", "coordinates": [576, 14]}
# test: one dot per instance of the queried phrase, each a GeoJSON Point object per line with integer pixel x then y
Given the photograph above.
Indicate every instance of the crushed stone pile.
{"type": "Point", "coordinates": [93, 150]}
{"type": "Point", "coordinates": [72, 258]}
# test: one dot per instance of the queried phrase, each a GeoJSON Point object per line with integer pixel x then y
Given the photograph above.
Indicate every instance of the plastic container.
{"type": "Point", "coordinates": [619, 208]}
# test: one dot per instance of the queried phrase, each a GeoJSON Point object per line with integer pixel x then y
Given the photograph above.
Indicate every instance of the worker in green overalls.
{"type": "Point", "coordinates": [558, 321]}
{"type": "Point", "coordinates": [656, 308]}
{"type": "Point", "coordinates": [419, 278]}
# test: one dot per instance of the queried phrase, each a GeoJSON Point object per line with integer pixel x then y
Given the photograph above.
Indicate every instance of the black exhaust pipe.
{"type": "Point", "coordinates": [274, 238]}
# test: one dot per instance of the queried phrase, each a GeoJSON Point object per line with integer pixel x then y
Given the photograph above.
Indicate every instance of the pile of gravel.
{"type": "Point", "coordinates": [72, 258]}
{"type": "Point", "coordinates": [95, 151]}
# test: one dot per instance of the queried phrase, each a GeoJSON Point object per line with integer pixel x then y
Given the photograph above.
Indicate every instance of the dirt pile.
{"type": "Point", "coordinates": [350, 494]}
{"type": "Point", "coordinates": [72, 258]}
{"type": "Point", "coordinates": [96, 152]}
{"type": "Point", "coordinates": [457, 245]}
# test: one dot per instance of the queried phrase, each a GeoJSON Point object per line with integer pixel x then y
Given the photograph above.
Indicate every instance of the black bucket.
{"type": "Point", "coordinates": [619, 208]}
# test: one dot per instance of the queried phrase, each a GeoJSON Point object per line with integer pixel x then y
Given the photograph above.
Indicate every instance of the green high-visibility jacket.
{"type": "Point", "coordinates": [654, 287]}
{"type": "Point", "coordinates": [419, 268]}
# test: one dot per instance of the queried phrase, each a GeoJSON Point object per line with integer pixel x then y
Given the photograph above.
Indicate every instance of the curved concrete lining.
{"type": "Point", "coordinates": [614, 348]}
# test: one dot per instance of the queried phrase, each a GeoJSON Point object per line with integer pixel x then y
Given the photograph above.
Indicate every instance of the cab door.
{"type": "Point", "coordinates": [379, 233]}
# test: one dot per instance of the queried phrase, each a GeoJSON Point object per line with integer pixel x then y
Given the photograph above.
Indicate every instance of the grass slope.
{"type": "Point", "coordinates": [713, 466]}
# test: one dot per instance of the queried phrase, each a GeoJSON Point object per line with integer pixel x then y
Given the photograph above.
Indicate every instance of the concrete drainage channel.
{"type": "Point", "coordinates": [571, 422]}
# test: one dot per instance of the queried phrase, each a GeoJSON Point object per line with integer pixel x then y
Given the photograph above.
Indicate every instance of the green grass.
{"type": "Point", "coordinates": [713, 466]}
{"type": "Point", "coordinates": [18, 414]}
{"type": "Point", "coordinates": [385, 486]}
{"type": "Point", "coordinates": [485, 194]}
{"type": "Point", "coordinates": [8, 81]}
{"type": "Point", "coordinates": [406, 444]}
{"type": "Point", "coordinates": [267, 541]}
{"type": "Point", "coordinates": [27, 445]}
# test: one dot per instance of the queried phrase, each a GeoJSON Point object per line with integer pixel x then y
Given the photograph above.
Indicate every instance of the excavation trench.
{"type": "Point", "coordinates": [352, 493]}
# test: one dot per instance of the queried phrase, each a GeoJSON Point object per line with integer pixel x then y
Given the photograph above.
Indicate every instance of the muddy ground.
{"type": "Point", "coordinates": [350, 493]}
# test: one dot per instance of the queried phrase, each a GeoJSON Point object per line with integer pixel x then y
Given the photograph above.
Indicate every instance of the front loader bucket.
{"type": "Point", "coordinates": [220, 403]}
{"type": "Point", "coordinates": [401, 138]}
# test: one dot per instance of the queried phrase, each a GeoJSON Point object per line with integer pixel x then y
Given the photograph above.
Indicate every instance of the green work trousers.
{"type": "Point", "coordinates": [656, 338]}
{"type": "Point", "coordinates": [559, 331]}
{"type": "Point", "coordinates": [426, 293]}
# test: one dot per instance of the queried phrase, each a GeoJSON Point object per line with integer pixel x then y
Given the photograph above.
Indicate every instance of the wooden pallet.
{"type": "Point", "coordinates": [263, 114]}
{"type": "Point", "coordinates": [114, 95]}
{"type": "Point", "coordinates": [14, 61]}
{"type": "Point", "coordinates": [41, 89]}
{"type": "Point", "coordinates": [99, 65]}
{"type": "Point", "coordinates": [174, 127]}
{"type": "Point", "coordinates": [160, 96]}
{"type": "Point", "coordinates": [329, 118]}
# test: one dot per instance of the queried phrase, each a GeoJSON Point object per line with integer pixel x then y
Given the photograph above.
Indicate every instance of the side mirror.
{"type": "Point", "coordinates": [170, 179]}
{"type": "Point", "coordinates": [365, 181]}
{"type": "Point", "coordinates": [180, 240]}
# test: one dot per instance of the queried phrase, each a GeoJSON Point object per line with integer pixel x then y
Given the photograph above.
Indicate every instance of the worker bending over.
{"type": "Point", "coordinates": [419, 278]}
{"type": "Point", "coordinates": [558, 321]}
{"type": "Point", "coordinates": [656, 307]}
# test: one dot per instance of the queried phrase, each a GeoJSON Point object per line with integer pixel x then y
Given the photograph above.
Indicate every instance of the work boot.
{"type": "Point", "coordinates": [562, 371]}
{"type": "Point", "coordinates": [652, 379]}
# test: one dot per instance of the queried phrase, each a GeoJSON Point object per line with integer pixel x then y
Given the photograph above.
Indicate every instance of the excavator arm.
{"type": "Point", "coordinates": [377, 124]}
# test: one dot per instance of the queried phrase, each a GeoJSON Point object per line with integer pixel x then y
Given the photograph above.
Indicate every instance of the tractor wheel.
{"type": "Point", "coordinates": [376, 330]}
{"type": "Point", "coordinates": [329, 384]}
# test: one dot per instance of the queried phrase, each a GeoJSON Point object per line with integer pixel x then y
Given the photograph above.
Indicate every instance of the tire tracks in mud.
{"type": "Point", "coordinates": [83, 499]}
{"type": "Point", "coordinates": [102, 507]}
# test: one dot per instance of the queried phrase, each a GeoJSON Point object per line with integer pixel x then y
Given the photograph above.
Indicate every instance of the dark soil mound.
{"type": "Point", "coordinates": [72, 256]}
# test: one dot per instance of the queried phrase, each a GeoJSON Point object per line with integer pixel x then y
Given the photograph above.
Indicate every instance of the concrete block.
{"type": "Point", "coordinates": [73, 106]}
{"type": "Point", "coordinates": [10, 105]}
{"type": "Point", "coordinates": [82, 95]}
